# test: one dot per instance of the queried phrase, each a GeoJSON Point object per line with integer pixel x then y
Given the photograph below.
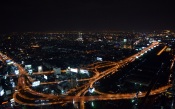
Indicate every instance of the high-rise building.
{"type": "Point", "coordinates": [80, 37]}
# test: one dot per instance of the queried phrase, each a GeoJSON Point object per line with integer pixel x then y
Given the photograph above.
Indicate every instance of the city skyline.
{"type": "Point", "coordinates": [94, 70]}
{"type": "Point", "coordinates": [43, 16]}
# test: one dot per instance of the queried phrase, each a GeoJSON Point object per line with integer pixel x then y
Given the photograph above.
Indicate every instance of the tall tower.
{"type": "Point", "coordinates": [80, 38]}
{"type": "Point", "coordinates": [80, 35]}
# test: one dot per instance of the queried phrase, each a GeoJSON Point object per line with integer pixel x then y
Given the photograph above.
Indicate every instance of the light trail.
{"type": "Point", "coordinates": [160, 52]}
{"type": "Point", "coordinates": [83, 89]}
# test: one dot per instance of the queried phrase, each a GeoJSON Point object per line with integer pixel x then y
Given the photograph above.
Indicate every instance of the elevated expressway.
{"type": "Point", "coordinates": [26, 96]}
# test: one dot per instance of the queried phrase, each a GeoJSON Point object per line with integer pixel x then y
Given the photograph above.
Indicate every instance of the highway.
{"type": "Point", "coordinates": [110, 68]}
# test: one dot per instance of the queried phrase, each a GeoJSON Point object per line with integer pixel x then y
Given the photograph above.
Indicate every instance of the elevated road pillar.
{"type": "Point", "coordinates": [82, 104]}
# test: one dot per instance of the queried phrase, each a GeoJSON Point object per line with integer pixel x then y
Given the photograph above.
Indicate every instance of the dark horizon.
{"type": "Point", "coordinates": [51, 15]}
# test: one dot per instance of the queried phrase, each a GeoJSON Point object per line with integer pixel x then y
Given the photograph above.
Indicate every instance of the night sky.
{"type": "Point", "coordinates": [86, 15]}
